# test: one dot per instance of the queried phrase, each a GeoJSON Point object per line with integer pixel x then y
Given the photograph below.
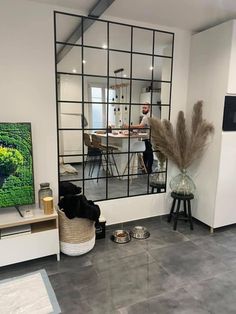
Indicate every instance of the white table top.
{"type": "Point", "coordinates": [124, 136]}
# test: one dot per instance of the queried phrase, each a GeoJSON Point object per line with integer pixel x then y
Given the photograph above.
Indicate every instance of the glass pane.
{"type": "Point", "coordinates": [97, 112]}
{"type": "Point", "coordinates": [70, 168]}
{"type": "Point", "coordinates": [97, 116]}
{"type": "Point", "coordinates": [138, 88]}
{"type": "Point", "coordinates": [138, 184]}
{"type": "Point", "coordinates": [120, 161]}
{"type": "Point", "coordinates": [95, 189]}
{"type": "Point", "coordinates": [141, 157]}
{"type": "Point", "coordinates": [66, 25]}
{"type": "Point", "coordinates": [165, 93]}
{"type": "Point", "coordinates": [94, 163]}
{"type": "Point", "coordinates": [70, 143]}
{"type": "Point", "coordinates": [95, 82]}
{"type": "Point", "coordinates": [136, 162]}
{"type": "Point", "coordinates": [119, 116]}
{"type": "Point", "coordinates": [112, 163]}
{"type": "Point", "coordinates": [159, 185]}
{"type": "Point", "coordinates": [163, 44]}
{"type": "Point", "coordinates": [164, 89]}
{"type": "Point", "coordinates": [70, 115]}
{"type": "Point", "coordinates": [91, 64]}
{"type": "Point", "coordinates": [142, 66]}
{"type": "Point", "coordinates": [117, 188]}
{"type": "Point", "coordinates": [152, 97]}
{"type": "Point", "coordinates": [159, 163]}
{"type": "Point", "coordinates": [121, 88]}
{"type": "Point", "coordinates": [136, 115]}
{"type": "Point", "coordinates": [69, 87]}
{"type": "Point", "coordinates": [156, 111]}
{"type": "Point", "coordinates": [162, 69]}
{"type": "Point", "coordinates": [165, 112]}
{"type": "Point", "coordinates": [71, 62]}
{"type": "Point", "coordinates": [119, 61]}
{"type": "Point", "coordinates": [120, 37]}
{"type": "Point", "coordinates": [142, 40]}
{"type": "Point", "coordinates": [95, 33]}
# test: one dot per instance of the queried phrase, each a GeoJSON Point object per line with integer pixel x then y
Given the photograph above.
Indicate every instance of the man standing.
{"type": "Point", "coordinates": [148, 153]}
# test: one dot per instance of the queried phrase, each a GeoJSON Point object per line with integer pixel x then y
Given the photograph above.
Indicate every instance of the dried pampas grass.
{"type": "Point", "coordinates": [181, 146]}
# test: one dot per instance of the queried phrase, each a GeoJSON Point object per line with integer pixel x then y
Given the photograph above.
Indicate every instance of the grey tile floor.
{"type": "Point", "coordinates": [96, 189]}
{"type": "Point", "coordinates": [181, 272]}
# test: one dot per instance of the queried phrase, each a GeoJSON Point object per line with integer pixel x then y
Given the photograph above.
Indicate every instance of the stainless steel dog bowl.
{"type": "Point", "coordinates": [120, 236]}
{"type": "Point", "coordinates": [140, 232]}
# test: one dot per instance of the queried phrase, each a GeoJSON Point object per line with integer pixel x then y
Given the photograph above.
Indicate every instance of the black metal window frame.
{"type": "Point", "coordinates": [109, 77]}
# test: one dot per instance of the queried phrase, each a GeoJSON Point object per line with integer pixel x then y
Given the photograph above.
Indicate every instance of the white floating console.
{"type": "Point", "coordinates": [27, 238]}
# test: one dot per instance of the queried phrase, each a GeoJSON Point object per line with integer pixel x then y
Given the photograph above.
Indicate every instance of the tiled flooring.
{"type": "Point", "coordinates": [96, 189]}
{"type": "Point", "coordinates": [179, 271]}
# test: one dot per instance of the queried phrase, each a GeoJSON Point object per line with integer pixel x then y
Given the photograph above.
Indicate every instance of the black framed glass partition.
{"type": "Point", "coordinates": [105, 72]}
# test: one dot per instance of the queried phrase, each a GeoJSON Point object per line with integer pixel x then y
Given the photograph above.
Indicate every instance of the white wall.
{"type": "Point", "coordinates": [27, 85]}
{"type": "Point", "coordinates": [27, 94]}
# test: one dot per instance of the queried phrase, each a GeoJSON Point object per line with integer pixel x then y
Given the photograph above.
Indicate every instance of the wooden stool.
{"type": "Point", "coordinates": [187, 208]}
{"type": "Point", "coordinates": [157, 186]}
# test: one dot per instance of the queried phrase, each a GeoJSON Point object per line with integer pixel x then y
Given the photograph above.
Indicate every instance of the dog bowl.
{"type": "Point", "coordinates": [140, 232]}
{"type": "Point", "coordinates": [120, 236]}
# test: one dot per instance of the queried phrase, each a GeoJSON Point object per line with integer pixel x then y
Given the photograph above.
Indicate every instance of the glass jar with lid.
{"type": "Point", "coordinates": [44, 191]}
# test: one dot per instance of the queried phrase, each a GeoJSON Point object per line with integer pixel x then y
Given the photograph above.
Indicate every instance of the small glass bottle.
{"type": "Point", "coordinates": [44, 191]}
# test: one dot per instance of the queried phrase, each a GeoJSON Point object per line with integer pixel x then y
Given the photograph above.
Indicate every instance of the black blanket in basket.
{"type": "Point", "coordinates": [68, 188]}
{"type": "Point", "coordinates": [78, 206]}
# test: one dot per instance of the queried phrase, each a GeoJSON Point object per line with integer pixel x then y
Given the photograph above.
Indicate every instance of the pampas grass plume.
{"type": "Point", "coordinates": [182, 146]}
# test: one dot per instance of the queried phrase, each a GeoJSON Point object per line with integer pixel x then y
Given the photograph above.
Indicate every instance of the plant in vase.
{"type": "Point", "coordinates": [182, 146]}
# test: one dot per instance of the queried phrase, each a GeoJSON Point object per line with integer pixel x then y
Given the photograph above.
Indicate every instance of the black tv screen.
{"type": "Point", "coordinates": [16, 165]}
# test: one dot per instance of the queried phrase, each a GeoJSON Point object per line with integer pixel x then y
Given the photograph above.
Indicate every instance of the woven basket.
{"type": "Point", "coordinates": [77, 235]}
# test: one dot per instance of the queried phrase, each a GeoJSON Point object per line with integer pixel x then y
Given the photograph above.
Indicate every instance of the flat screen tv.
{"type": "Point", "coordinates": [16, 165]}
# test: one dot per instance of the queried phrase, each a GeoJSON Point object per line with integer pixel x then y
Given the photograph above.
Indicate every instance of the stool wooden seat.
{"type": "Point", "coordinates": [187, 209]}
{"type": "Point", "coordinates": [157, 186]}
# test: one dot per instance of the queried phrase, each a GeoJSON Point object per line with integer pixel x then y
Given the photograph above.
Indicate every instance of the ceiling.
{"type": "Point", "coordinates": [193, 15]}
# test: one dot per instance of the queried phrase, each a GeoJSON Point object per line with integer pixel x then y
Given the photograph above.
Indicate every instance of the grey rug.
{"type": "Point", "coordinates": [28, 294]}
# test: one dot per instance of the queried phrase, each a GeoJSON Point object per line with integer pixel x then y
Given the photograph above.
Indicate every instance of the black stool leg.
{"type": "Point", "coordinates": [172, 210]}
{"type": "Point", "coordinates": [185, 210]}
{"type": "Point", "coordinates": [190, 215]}
{"type": "Point", "coordinates": [90, 166]}
{"type": "Point", "coordinates": [99, 166]}
{"type": "Point", "coordinates": [114, 162]}
{"type": "Point", "coordinates": [152, 190]}
{"type": "Point", "coordinates": [177, 214]}
{"type": "Point", "coordinates": [94, 159]}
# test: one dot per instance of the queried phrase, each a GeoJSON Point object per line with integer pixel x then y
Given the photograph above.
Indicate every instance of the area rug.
{"type": "Point", "coordinates": [28, 294]}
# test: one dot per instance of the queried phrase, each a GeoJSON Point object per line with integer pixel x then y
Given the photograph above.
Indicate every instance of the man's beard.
{"type": "Point", "coordinates": [145, 112]}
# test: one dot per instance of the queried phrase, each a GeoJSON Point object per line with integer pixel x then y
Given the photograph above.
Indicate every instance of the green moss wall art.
{"type": "Point", "coordinates": [16, 165]}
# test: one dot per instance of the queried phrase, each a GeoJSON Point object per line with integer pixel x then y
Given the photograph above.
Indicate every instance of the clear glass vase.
{"type": "Point", "coordinates": [182, 184]}
{"type": "Point", "coordinates": [44, 191]}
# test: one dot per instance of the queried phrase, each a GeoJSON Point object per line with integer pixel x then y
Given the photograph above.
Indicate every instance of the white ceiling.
{"type": "Point", "coordinates": [81, 5]}
{"type": "Point", "coordinates": [194, 15]}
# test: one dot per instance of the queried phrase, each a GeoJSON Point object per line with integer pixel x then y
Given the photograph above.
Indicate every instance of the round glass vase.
{"type": "Point", "coordinates": [44, 191]}
{"type": "Point", "coordinates": [182, 184]}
